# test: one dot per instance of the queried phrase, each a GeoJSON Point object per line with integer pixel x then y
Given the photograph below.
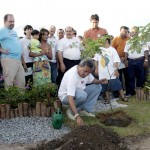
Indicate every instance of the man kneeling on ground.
{"type": "Point", "coordinates": [75, 92]}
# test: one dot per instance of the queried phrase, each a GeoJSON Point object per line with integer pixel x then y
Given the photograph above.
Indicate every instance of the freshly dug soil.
{"type": "Point", "coordinates": [118, 118]}
{"type": "Point", "coordinates": [92, 137]}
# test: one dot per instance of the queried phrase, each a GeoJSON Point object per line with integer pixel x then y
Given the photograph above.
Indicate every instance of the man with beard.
{"type": "Point", "coordinates": [11, 49]}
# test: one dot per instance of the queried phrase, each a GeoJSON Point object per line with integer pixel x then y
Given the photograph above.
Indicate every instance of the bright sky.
{"type": "Point", "coordinates": [61, 13]}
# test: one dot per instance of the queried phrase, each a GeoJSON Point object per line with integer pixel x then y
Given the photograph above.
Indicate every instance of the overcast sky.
{"type": "Point", "coordinates": [76, 13]}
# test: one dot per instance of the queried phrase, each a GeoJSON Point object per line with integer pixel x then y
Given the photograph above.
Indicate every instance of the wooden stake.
{"type": "Point", "coordinates": [141, 94]}
{"type": "Point", "coordinates": [59, 104]}
{"type": "Point", "coordinates": [29, 110]}
{"type": "Point", "coordinates": [55, 105]}
{"type": "Point", "coordinates": [20, 109]}
{"type": "Point", "coordinates": [7, 106]}
{"type": "Point", "coordinates": [3, 111]}
{"type": "Point", "coordinates": [137, 98]}
{"type": "Point", "coordinates": [48, 112]}
{"type": "Point", "coordinates": [145, 97]}
{"type": "Point", "coordinates": [33, 112]}
{"type": "Point", "coordinates": [38, 109]}
{"type": "Point", "coordinates": [25, 107]}
{"type": "Point", "coordinates": [16, 113]}
{"type": "Point", "coordinates": [43, 109]}
{"type": "Point", "coordinates": [52, 110]}
{"type": "Point", "coordinates": [12, 113]}
{"type": "Point", "coordinates": [149, 95]}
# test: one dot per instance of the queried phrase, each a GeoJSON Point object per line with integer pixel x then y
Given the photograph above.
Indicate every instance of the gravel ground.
{"type": "Point", "coordinates": [100, 106]}
{"type": "Point", "coordinates": [35, 129]}
{"type": "Point", "coordinates": [29, 130]}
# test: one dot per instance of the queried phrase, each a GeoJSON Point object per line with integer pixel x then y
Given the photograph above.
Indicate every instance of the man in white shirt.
{"type": "Point", "coordinates": [147, 69]}
{"type": "Point", "coordinates": [74, 91]}
{"type": "Point", "coordinates": [53, 63]}
{"type": "Point", "coordinates": [27, 60]}
{"type": "Point", "coordinates": [135, 62]}
{"type": "Point", "coordinates": [60, 34]}
{"type": "Point", "coordinates": [69, 51]}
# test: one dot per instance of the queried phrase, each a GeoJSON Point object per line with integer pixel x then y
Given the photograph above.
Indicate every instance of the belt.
{"type": "Point", "coordinates": [142, 57]}
{"type": "Point", "coordinates": [70, 60]}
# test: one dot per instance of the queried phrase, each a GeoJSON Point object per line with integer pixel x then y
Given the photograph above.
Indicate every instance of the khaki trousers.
{"type": "Point", "coordinates": [13, 72]}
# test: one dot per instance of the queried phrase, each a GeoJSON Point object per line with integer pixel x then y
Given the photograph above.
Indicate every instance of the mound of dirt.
{"type": "Point", "coordinates": [118, 118]}
{"type": "Point", "coordinates": [92, 137]}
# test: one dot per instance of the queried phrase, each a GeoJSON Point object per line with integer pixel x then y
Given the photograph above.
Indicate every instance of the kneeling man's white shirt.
{"type": "Point", "coordinates": [71, 81]}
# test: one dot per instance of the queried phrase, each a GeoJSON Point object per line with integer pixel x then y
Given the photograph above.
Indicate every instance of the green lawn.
{"type": "Point", "coordinates": [140, 112]}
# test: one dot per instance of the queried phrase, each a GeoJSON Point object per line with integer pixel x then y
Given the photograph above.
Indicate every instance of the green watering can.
{"type": "Point", "coordinates": [57, 119]}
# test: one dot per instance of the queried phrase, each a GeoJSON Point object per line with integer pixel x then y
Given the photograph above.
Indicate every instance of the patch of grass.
{"type": "Point", "coordinates": [139, 111]}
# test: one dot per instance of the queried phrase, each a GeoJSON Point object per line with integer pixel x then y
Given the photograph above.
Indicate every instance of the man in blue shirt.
{"type": "Point", "coordinates": [13, 72]}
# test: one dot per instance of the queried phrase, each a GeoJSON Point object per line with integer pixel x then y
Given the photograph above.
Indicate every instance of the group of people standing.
{"type": "Point", "coordinates": [39, 58]}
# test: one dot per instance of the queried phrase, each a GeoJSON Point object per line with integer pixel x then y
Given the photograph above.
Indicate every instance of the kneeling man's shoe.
{"type": "Point", "coordinates": [85, 113]}
{"type": "Point", "coordinates": [70, 115]}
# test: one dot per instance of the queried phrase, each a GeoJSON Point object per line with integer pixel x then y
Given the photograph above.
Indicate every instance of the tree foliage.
{"type": "Point", "coordinates": [94, 46]}
{"type": "Point", "coordinates": [140, 41]}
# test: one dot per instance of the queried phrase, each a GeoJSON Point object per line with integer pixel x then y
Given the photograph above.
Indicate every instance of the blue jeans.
{"type": "Point", "coordinates": [85, 100]}
{"type": "Point", "coordinates": [135, 73]}
{"type": "Point", "coordinates": [53, 72]}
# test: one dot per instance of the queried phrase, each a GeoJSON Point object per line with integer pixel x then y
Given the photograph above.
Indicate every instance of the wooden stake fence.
{"type": "Point", "coordinates": [23, 110]}
{"type": "Point", "coordinates": [142, 95]}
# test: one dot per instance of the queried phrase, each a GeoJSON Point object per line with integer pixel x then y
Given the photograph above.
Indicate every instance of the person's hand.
{"type": "Point", "coordinates": [104, 81]}
{"type": "Point", "coordinates": [79, 121]}
{"type": "Point", "coordinates": [145, 64]}
{"type": "Point", "coordinates": [5, 51]}
{"type": "Point", "coordinates": [25, 68]}
{"type": "Point", "coordinates": [116, 73]}
{"type": "Point", "coordinates": [96, 72]}
{"type": "Point", "coordinates": [126, 63]}
{"type": "Point", "coordinates": [41, 53]}
{"type": "Point", "coordinates": [122, 59]}
{"type": "Point", "coordinates": [44, 52]}
{"type": "Point", "coordinates": [62, 67]}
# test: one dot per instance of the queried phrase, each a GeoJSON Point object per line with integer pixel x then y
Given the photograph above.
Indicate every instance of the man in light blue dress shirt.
{"type": "Point", "coordinates": [13, 72]}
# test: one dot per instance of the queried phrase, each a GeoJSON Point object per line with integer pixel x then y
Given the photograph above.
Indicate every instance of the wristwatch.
{"type": "Point", "coordinates": [76, 115]}
{"type": "Point", "coordinates": [146, 60]}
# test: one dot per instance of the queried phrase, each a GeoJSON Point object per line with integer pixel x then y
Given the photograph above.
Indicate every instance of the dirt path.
{"type": "Point", "coordinates": [133, 144]}
{"type": "Point", "coordinates": [16, 146]}
{"type": "Point", "coordinates": [140, 145]}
